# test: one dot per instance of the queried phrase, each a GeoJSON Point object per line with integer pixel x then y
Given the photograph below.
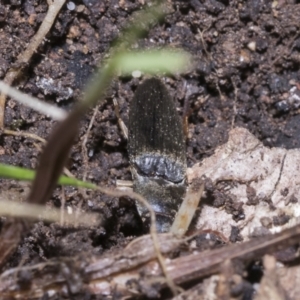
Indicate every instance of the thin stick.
{"type": "Point", "coordinates": [24, 57]}
{"type": "Point", "coordinates": [188, 208]}
{"type": "Point", "coordinates": [85, 158]}
{"type": "Point", "coordinates": [33, 211]}
{"type": "Point", "coordinates": [24, 134]}
{"type": "Point", "coordinates": [85, 139]}
{"type": "Point", "coordinates": [34, 103]}
{"type": "Point", "coordinates": [121, 124]}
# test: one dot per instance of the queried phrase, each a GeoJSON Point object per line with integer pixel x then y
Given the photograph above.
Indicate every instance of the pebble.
{"type": "Point", "coordinates": [71, 5]}
{"type": "Point", "coordinates": [252, 46]}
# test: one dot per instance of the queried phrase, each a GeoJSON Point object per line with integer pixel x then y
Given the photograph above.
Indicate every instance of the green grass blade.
{"type": "Point", "coordinates": [153, 61]}
{"type": "Point", "coordinates": [17, 173]}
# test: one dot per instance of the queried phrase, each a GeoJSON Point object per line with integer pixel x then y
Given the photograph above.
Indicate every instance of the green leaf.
{"type": "Point", "coordinates": [153, 61]}
{"type": "Point", "coordinates": [17, 173]}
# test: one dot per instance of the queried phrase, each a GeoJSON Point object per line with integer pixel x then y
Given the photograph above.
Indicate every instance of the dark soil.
{"type": "Point", "coordinates": [246, 73]}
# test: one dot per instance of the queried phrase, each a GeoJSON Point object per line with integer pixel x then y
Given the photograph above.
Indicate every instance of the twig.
{"type": "Point", "coordinates": [24, 134]}
{"type": "Point", "coordinates": [85, 157]}
{"type": "Point", "coordinates": [187, 209]}
{"type": "Point", "coordinates": [32, 211]}
{"type": "Point", "coordinates": [136, 254]}
{"type": "Point", "coordinates": [34, 103]}
{"type": "Point", "coordinates": [121, 124]}
{"type": "Point", "coordinates": [85, 139]}
{"type": "Point", "coordinates": [112, 272]}
{"type": "Point", "coordinates": [24, 57]}
{"type": "Point", "coordinates": [204, 43]}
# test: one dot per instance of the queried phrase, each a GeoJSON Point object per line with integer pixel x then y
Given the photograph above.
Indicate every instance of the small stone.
{"type": "Point", "coordinates": [266, 222]}
{"type": "Point", "coordinates": [261, 44]}
{"type": "Point", "coordinates": [244, 56]}
{"type": "Point", "coordinates": [71, 5]}
{"type": "Point", "coordinates": [32, 19]}
{"type": "Point", "coordinates": [80, 8]}
{"type": "Point", "coordinates": [274, 4]}
{"type": "Point", "coordinates": [74, 32]}
{"type": "Point", "coordinates": [91, 153]}
{"type": "Point", "coordinates": [282, 107]}
{"type": "Point", "coordinates": [252, 46]}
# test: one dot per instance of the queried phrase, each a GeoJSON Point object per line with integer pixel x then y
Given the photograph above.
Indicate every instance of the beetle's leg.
{"type": "Point", "coordinates": [122, 125]}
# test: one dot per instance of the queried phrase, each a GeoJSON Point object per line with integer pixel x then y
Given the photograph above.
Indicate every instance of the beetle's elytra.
{"type": "Point", "coordinates": [157, 152]}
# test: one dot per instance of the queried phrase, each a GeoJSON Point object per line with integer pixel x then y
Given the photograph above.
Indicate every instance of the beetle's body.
{"type": "Point", "coordinates": [157, 153]}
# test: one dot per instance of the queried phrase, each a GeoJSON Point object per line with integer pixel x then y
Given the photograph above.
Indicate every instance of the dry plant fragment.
{"type": "Point", "coordinates": [24, 134]}
{"type": "Point", "coordinates": [188, 208]}
{"type": "Point", "coordinates": [24, 57]}
{"type": "Point", "coordinates": [42, 107]}
{"type": "Point", "coordinates": [243, 164]}
{"type": "Point", "coordinates": [122, 126]}
{"type": "Point", "coordinates": [85, 139]}
{"type": "Point", "coordinates": [17, 209]}
{"type": "Point", "coordinates": [112, 272]}
{"type": "Point", "coordinates": [270, 287]}
{"type": "Point", "coordinates": [112, 269]}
